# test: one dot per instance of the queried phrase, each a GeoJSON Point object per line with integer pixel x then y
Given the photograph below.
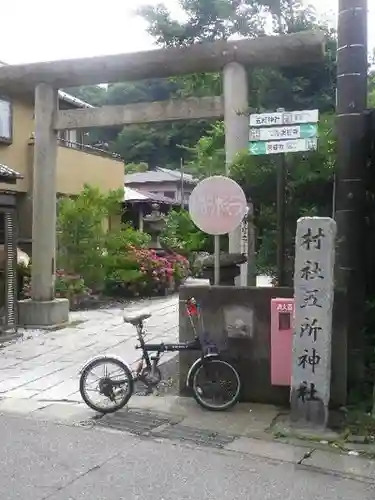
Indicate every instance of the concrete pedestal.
{"type": "Point", "coordinates": [228, 275]}
{"type": "Point", "coordinates": [229, 268]}
{"type": "Point", "coordinates": [46, 313]}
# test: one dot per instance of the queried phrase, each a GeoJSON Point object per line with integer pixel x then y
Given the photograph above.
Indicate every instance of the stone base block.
{"type": "Point", "coordinates": [43, 314]}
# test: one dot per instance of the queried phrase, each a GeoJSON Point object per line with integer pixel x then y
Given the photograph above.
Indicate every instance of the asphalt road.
{"type": "Point", "coordinates": [49, 461]}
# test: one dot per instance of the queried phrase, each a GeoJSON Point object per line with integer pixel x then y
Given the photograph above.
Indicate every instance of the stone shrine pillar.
{"type": "Point", "coordinates": [236, 121]}
{"type": "Point", "coordinates": [43, 309]}
{"type": "Point", "coordinates": [314, 296]}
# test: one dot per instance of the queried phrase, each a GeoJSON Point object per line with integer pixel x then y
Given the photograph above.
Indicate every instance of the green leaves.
{"type": "Point", "coordinates": [85, 246]}
{"type": "Point", "coordinates": [181, 234]}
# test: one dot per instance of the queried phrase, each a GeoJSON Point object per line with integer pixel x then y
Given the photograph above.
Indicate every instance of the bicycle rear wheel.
{"type": "Point", "coordinates": [111, 381]}
{"type": "Point", "coordinates": [216, 384]}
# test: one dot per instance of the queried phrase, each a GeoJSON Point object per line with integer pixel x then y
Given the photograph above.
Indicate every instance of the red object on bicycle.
{"type": "Point", "coordinates": [191, 308]}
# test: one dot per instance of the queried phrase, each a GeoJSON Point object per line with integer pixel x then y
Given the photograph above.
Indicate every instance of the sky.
{"type": "Point", "coordinates": [45, 30]}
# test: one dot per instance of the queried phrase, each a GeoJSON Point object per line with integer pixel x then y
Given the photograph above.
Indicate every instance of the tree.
{"type": "Point", "coordinates": [132, 168]}
{"type": "Point", "coordinates": [371, 90]}
{"type": "Point", "coordinates": [92, 94]}
{"type": "Point", "coordinates": [181, 234]}
{"type": "Point", "coordinates": [81, 232]}
{"type": "Point", "coordinates": [211, 20]}
{"type": "Point", "coordinates": [206, 20]}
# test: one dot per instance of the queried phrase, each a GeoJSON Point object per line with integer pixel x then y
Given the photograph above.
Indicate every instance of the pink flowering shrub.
{"type": "Point", "coordinates": [159, 274]}
{"type": "Point", "coordinates": [150, 273]}
{"type": "Point", "coordinates": [180, 265]}
{"type": "Point", "coordinates": [130, 272]}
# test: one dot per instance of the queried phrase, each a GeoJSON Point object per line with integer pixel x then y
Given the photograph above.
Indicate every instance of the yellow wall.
{"type": "Point", "coordinates": [16, 155]}
{"type": "Point", "coordinates": [74, 167]}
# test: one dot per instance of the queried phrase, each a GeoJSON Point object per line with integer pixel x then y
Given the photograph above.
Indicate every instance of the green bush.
{"type": "Point", "coordinates": [182, 235]}
{"type": "Point", "coordinates": [81, 234]}
{"type": "Point", "coordinates": [67, 286]}
{"type": "Point", "coordinates": [85, 247]}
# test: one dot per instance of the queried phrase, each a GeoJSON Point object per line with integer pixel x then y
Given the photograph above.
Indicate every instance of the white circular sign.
{"type": "Point", "coordinates": [217, 205]}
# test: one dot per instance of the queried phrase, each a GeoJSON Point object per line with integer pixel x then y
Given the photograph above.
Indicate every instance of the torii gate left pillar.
{"type": "Point", "coordinates": [44, 308]}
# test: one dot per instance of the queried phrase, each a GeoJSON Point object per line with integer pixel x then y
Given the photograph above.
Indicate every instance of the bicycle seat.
{"type": "Point", "coordinates": [136, 318]}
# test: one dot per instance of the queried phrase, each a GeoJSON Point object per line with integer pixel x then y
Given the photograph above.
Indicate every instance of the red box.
{"type": "Point", "coordinates": [282, 318]}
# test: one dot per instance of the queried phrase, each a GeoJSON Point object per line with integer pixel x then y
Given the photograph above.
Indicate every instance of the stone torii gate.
{"type": "Point", "coordinates": [46, 78]}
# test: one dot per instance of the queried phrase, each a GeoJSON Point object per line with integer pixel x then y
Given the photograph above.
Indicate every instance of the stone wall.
{"type": "Point", "coordinates": [238, 320]}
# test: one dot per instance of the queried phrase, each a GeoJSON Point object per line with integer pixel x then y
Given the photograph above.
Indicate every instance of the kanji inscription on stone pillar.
{"type": "Point", "coordinates": [314, 295]}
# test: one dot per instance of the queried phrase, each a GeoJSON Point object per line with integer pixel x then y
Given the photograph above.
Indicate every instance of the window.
{"type": "Point", "coordinates": [69, 138]}
{"type": "Point", "coordinates": [169, 194]}
{"type": "Point", "coordinates": [6, 121]}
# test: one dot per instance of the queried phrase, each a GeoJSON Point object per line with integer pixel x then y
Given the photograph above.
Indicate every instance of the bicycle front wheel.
{"type": "Point", "coordinates": [216, 384]}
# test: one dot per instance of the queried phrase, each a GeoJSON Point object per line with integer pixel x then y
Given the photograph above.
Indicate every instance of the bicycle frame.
{"type": "Point", "coordinates": [160, 348]}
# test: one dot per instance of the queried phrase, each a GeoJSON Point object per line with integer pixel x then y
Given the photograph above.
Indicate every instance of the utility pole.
{"type": "Point", "coordinates": [351, 157]}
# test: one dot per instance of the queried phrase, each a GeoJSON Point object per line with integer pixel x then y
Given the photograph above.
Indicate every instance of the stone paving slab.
{"type": "Point", "coordinates": [245, 419]}
{"type": "Point", "coordinates": [342, 464]}
{"type": "Point", "coordinates": [44, 365]}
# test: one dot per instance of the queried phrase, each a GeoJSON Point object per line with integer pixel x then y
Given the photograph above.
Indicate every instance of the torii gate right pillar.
{"type": "Point", "coordinates": [236, 124]}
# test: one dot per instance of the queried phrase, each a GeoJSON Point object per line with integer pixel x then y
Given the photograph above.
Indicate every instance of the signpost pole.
{"type": "Point", "coordinates": [281, 184]}
{"type": "Point", "coordinates": [280, 133]}
{"type": "Point", "coordinates": [217, 260]}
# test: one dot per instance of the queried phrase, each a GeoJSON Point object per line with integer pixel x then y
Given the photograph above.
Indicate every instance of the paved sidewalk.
{"type": "Point", "coordinates": [43, 367]}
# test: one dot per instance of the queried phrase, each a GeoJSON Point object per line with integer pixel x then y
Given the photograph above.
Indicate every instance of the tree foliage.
{"type": "Point", "coordinates": [85, 246]}
{"type": "Point", "coordinates": [206, 20]}
{"type": "Point", "coordinates": [81, 232]}
{"type": "Point", "coordinates": [132, 168]}
{"type": "Point", "coordinates": [181, 234]}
